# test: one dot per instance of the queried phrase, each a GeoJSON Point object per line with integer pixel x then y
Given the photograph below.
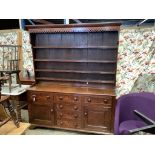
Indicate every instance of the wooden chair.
{"type": "Point", "coordinates": [4, 102]}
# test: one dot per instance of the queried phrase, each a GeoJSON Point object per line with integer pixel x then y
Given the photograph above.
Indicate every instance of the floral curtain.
{"type": "Point", "coordinates": [136, 61]}
{"type": "Point", "coordinates": [27, 54]}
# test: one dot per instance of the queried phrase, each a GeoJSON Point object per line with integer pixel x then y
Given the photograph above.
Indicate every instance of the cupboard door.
{"type": "Point", "coordinates": [41, 115]}
{"type": "Point", "coordinates": [97, 118]}
{"type": "Point", "coordinates": [41, 110]}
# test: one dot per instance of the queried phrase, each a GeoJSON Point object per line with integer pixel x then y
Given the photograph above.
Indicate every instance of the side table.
{"type": "Point", "coordinates": [15, 95]}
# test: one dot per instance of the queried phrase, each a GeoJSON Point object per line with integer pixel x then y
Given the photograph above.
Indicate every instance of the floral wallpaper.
{"type": "Point", "coordinates": [11, 37]}
{"type": "Point", "coordinates": [27, 54]}
{"type": "Point", "coordinates": [135, 61]}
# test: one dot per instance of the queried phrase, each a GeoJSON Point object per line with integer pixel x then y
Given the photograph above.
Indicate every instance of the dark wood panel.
{"type": "Point", "coordinates": [71, 60]}
{"type": "Point", "coordinates": [77, 76]}
{"type": "Point", "coordinates": [60, 66]}
{"type": "Point", "coordinates": [67, 106]}
{"type": "Point", "coordinates": [41, 39]}
{"type": "Point", "coordinates": [73, 71]}
{"type": "Point", "coordinates": [102, 54]}
{"type": "Point", "coordinates": [97, 118]}
{"type": "Point", "coordinates": [39, 114]}
{"type": "Point", "coordinates": [74, 47]}
{"type": "Point", "coordinates": [69, 124]}
{"type": "Point", "coordinates": [74, 80]}
{"type": "Point", "coordinates": [54, 39]}
{"type": "Point", "coordinates": [102, 100]}
{"type": "Point", "coordinates": [67, 39]}
{"type": "Point", "coordinates": [104, 67]}
{"type": "Point", "coordinates": [110, 38]}
{"type": "Point", "coordinates": [70, 89]}
{"type": "Point", "coordinates": [67, 98]}
{"type": "Point", "coordinates": [68, 115]}
{"type": "Point", "coordinates": [41, 98]}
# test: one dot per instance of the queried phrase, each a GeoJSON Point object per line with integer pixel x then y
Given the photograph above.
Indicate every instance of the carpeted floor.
{"type": "Point", "coordinates": [46, 131]}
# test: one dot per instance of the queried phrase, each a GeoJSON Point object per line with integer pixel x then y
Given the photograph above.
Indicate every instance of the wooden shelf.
{"type": "Point", "coordinates": [73, 71]}
{"type": "Point", "coordinates": [75, 80]}
{"type": "Point", "coordinates": [67, 60]}
{"type": "Point", "coordinates": [72, 47]}
{"type": "Point", "coordinates": [70, 55]}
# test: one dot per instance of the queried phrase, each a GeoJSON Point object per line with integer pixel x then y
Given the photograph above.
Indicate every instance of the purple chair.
{"type": "Point", "coordinates": [135, 112]}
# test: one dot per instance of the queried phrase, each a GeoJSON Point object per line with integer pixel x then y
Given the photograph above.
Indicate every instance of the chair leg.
{"type": "Point", "coordinates": [13, 114]}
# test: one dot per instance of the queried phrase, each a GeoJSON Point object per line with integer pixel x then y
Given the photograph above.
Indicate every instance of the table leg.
{"type": "Point", "coordinates": [10, 82]}
{"type": "Point", "coordinates": [18, 109]}
{"type": "Point", "coordinates": [13, 114]}
{"type": "Point", "coordinates": [18, 79]}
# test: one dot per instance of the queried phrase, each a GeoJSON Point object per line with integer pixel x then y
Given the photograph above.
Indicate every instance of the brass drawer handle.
{"type": "Point", "coordinates": [33, 98]}
{"type": "Point", "coordinates": [75, 108]}
{"type": "Point", "coordinates": [105, 101]}
{"type": "Point", "coordinates": [61, 114]}
{"type": "Point", "coordinates": [85, 113]}
{"type": "Point", "coordinates": [61, 123]}
{"type": "Point", "coordinates": [48, 97]}
{"type": "Point", "coordinates": [75, 115]}
{"type": "Point", "coordinates": [89, 99]}
{"type": "Point", "coordinates": [60, 98]}
{"type": "Point", "coordinates": [52, 110]}
{"type": "Point", "coordinates": [60, 106]}
{"type": "Point", "coordinates": [75, 99]}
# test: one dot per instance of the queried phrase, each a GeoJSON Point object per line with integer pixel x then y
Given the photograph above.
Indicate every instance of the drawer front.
{"type": "Point", "coordinates": [73, 115]}
{"type": "Point", "coordinates": [105, 100]}
{"type": "Point", "coordinates": [68, 106]}
{"type": "Point", "coordinates": [40, 97]}
{"type": "Point", "coordinates": [67, 98]}
{"type": "Point", "coordinates": [69, 123]}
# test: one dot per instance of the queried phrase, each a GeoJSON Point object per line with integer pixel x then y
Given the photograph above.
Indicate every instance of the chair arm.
{"type": "Point", "coordinates": [144, 118]}
{"type": "Point", "coordinates": [148, 129]}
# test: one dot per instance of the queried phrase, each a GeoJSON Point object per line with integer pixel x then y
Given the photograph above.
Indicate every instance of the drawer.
{"type": "Point", "coordinates": [73, 115]}
{"type": "Point", "coordinates": [42, 97]}
{"type": "Point", "coordinates": [66, 98]}
{"type": "Point", "coordinates": [69, 123]}
{"type": "Point", "coordinates": [68, 106]}
{"type": "Point", "coordinates": [105, 100]}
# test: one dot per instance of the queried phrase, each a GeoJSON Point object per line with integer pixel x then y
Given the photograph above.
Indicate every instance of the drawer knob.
{"type": "Point", "coordinates": [75, 98]}
{"type": "Point", "coordinates": [60, 106]}
{"type": "Point", "coordinates": [85, 113]}
{"type": "Point", "coordinates": [48, 97]}
{"type": "Point", "coordinates": [75, 115]}
{"type": "Point", "coordinates": [89, 99]}
{"type": "Point", "coordinates": [34, 98]}
{"type": "Point", "coordinates": [52, 110]}
{"type": "Point", "coordinates": [60, 98]}
{"type": "Point", "coordinates": [61, 114]}
{"type": "Point", "coordinates": [75, 108]}
{"type": "Point", "coordinates": [61, 123]}
{"type": "Point", "coordinates": [105, 100]}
